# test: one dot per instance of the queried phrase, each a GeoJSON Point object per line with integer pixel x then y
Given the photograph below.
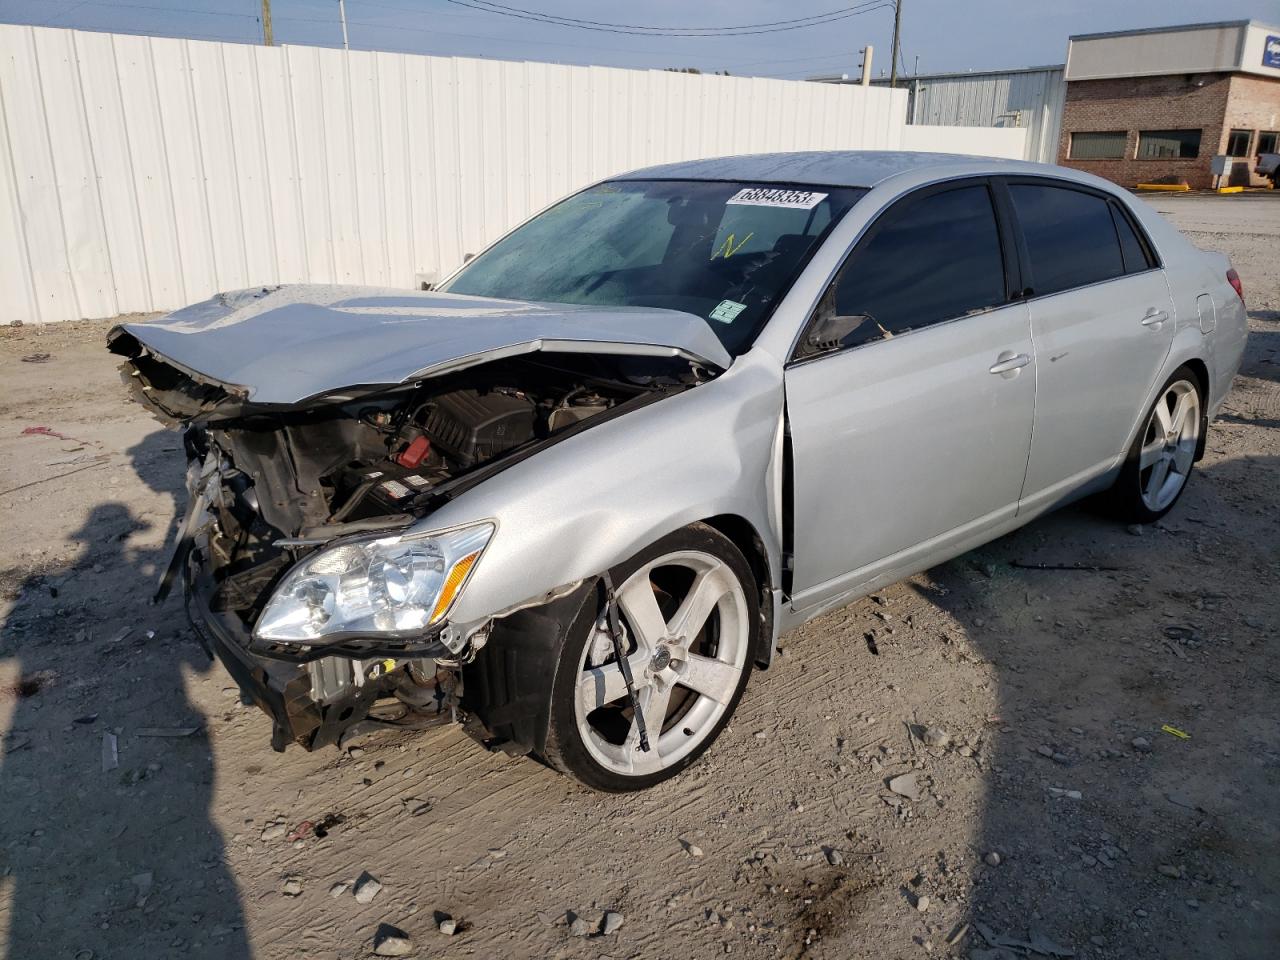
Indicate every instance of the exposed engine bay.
{"type": "Point", "coordinates": [292, 479]}
{"type": "Point", "coordinates": [272, 485]}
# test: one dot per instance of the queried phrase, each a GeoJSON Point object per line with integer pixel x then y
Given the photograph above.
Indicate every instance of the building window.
{"type": "Point", "coordinates": [1168, 144]}
{"type": "Point", "coordinates": [1103, 145]}
{"type": "Point", "coordinates": [1268, 142]}
{"type": "Point", "coordinates": [1238, 143]}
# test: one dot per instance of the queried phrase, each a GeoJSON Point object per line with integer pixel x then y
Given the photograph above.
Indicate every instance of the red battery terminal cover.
{"type": "Point", "coordinates": [413, 455]}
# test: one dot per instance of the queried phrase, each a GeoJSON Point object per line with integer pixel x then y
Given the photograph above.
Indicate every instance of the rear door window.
{"type": "Point", "coordinates": [927, 259]}
{"type": "Point", "coordinates": [1070, 236]}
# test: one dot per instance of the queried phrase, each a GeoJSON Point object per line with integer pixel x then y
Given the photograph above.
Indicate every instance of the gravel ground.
{"type": "Point", "coordinates": [1055, 817]}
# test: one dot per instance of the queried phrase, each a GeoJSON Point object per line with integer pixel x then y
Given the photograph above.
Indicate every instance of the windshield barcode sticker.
{"type": "Point", "coordinates": [772, 197]}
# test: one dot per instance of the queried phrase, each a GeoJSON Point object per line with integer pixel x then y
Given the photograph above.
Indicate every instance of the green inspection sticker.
{"type": "Point", "coordinates": [727, 310]}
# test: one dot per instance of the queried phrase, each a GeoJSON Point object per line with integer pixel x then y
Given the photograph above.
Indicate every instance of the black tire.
{"type": "Point", "coordinates": [564, 748]}
{"type": "Point", "coordinates": [1126, 497]}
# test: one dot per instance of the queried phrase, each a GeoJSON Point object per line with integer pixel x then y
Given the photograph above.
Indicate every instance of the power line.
{"type": "Point", "coordinates": [483, 6]}
{"type": "Point", "coordinates": [508, 8]}
{"type": "Point", "coordinates": [742, 30]}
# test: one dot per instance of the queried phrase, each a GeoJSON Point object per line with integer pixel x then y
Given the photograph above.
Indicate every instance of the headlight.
{"type": "Point", "coordinates": [384, 585]}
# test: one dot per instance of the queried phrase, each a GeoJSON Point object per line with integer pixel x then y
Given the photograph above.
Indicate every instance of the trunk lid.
{"type": "Point", "coordinates": [289, 344]}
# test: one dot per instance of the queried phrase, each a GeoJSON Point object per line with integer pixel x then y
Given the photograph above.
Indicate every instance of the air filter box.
{"type": "Point", "coordinates": [470, 427]}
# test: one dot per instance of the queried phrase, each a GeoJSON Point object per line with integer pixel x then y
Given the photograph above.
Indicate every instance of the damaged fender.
{"type": "Point", "coordinates": [586, 504]}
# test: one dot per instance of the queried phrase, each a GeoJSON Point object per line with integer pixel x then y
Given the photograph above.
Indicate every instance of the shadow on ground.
{"type": "Point", "coordinates": [1090, 791]}
{"type": "Point", "coordinates": [119, 862]}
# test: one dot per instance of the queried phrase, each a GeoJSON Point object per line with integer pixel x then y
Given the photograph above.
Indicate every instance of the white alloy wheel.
{"type": "Point", "coordinates": [1169, 445]}
{"type": "Point", "coordinates": [687, 635]}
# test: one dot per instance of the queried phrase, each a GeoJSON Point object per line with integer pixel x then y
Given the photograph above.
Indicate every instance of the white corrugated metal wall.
{"type": "Point", "coordinates": [1034, 95]}
{"type": "Point", "coordinates": [141, 173]}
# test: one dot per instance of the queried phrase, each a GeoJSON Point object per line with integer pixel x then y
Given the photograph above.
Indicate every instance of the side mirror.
{"type": "Point", "coordinates": [832, 329]}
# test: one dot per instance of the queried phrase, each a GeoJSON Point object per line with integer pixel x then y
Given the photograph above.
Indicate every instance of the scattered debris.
{"type": "Point", "coordinates": [37, 358]}
{"type": "Point", "coordinates": [416, 806]}
{"type": "Point", "coordinates": [338, 889]}
{"type": "Point", "coordinates": [611, 923]}
{"type": "Point", "coordinates": [110, 752]}
{"type": "Point", "coordinates": [578, 927]}
{"type": "Point", "coordinates": [1069, 794]}
{"type": "Point", "coordinates": [1136, 529]}
{"type": "Point", "coordinates": [1080, 567]}
{"type": "Point", "coordinates": [292, 887]}
{"type": "Point", "coordinates": [447, 925]}
{"type": "Point", "coordinates": [1051, 754]}
{"type": "Point", "coordinates": [47, 432]}
{"type": "Point", "coordinates": [391, 941]}
{"type": "Point", "coordinates": [367, 887]}
{"type": "Point", "coordinates": [1170, 871]}
{"type": "Point", "coordinates": [142, 883]}
{"type": "Point", "coordinates": [834, 857]}
{"type": "Point", "coordinates": [922, 902]}
{"type": "Point", "coordinates": [273, 831]}
{"type": "Point", "coordinates": [167, 731]}
{"type": "Point", "coordinates": [1036, 942]}
{"type": "Point", "coordinates": [1175, 732]}
{"type": "Point", "coordinates": [1141, 744]}
{"type": "Point", "coordinates": [692, 849]}
{"type": "Point", "coordinates": [87, 719]}
{"type": "Point", "coordinates": [935, 737]}
{"type": "Point", "coordinates": [992, 859]}
{"type": "Point", "coordinates": [907, 785]}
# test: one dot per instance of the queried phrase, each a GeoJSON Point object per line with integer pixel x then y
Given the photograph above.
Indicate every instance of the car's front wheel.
{"type": "Point", "coordinates": [690, 622]}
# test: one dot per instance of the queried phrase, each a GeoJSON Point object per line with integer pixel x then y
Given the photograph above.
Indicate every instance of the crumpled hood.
{"type": "Point", "coordinates": [284, 345]}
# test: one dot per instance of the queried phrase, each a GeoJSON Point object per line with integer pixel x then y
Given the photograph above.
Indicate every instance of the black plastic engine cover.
{"type": "Point", "coordinates": [471, 427]}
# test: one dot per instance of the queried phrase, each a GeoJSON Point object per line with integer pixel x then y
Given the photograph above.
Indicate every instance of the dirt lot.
{"type": "Point", "coordinates": [1125, 841]}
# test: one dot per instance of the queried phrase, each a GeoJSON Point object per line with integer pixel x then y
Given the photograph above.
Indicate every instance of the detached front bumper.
{"type": "Point", "coordinates": [284, 689]}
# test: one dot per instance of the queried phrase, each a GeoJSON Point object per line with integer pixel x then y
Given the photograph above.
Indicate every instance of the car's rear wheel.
{"type": "Point", "coordinates": [1164, 452]}
{"type": "Point", "coordinates": [689, 612]}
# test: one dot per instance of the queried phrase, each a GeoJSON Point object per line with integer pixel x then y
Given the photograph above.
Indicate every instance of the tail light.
{"type": "Point", "coordinates": [1233, 278]}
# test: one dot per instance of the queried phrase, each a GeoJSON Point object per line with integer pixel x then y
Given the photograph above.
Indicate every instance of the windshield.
{"type": "Point", "coordinates": [726, 252]}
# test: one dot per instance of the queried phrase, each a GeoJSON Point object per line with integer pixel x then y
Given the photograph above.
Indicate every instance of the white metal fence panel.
{"type": "Point", "coordinates": [1032, 99]}
{"type": "Point", "coordinates": [141, 173]}
{"type": "Point", "coordinates": [1007, 142]}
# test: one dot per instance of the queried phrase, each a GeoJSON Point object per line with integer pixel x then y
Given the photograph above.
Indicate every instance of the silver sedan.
{"type": "Point", "coordinates": [571, 498]}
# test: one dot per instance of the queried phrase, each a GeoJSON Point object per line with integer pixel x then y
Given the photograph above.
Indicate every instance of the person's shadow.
{"type": "Point", "coordinates": [107, 848]}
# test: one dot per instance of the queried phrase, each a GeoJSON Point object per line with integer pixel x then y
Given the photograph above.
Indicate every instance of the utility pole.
{"type": "Point", "coordinates": [342, 15]}
{"type": "Point", "coordinates": [266, 22]}
{"type": "Point", "coordinates": [893, 52]}
{"type": "Point", "coordinates": [866, 65]}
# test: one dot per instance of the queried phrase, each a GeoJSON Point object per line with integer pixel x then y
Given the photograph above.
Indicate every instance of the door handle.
{"type": "Point", "coordinates": [1009, 363]}
{"type": "Point", "coordinates": [1154, 318]}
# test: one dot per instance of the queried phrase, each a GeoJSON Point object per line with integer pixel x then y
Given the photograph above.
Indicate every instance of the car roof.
{"type": "Point", "coordinates": [835, 168]}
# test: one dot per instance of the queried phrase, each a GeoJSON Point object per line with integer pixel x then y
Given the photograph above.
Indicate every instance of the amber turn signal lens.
{"type": "Point", "coordinates": [452, 584]}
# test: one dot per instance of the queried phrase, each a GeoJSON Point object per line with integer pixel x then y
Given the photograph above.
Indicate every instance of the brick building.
{"type": "Point", "coordinates": [1159, 104]}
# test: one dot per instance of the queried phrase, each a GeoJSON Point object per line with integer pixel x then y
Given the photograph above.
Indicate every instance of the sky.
{"type": "Point", "coordinates": [945, 35]}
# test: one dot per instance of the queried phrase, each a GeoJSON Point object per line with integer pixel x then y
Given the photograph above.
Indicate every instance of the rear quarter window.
{"type": "Point", "coordinates": [1070, 235]}
{"type": "Point", "coordinates": [1134, 251]}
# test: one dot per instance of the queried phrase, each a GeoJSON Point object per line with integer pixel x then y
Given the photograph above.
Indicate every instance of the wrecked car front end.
{"type": "Point", "coordinates": [310, 559]}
